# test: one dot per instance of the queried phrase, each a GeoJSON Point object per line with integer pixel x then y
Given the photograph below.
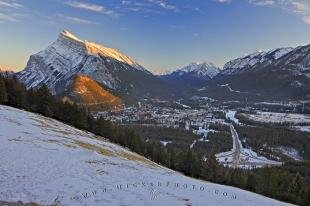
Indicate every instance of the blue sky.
{"type": "Point", "coordinates": [159, 34]}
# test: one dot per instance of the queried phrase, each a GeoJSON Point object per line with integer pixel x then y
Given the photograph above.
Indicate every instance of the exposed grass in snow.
{"type": "Point", "coordinates": [95, 148]}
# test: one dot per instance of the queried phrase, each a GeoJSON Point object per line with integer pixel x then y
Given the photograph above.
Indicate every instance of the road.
{"type": "Point", "coordinates": [235, 153]}
{"type": "Point", "coordinates": [237, 147]}
{"type": "Point", "coordinates": [241, 157]}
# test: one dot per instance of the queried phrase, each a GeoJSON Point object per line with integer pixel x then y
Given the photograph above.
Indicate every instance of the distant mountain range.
{"type": "Point", "coordinates": [279, 74]}
{"type": "Point", "coordinates": [6, 71]}
{"type": "Point", "coordinates": [195, 74]}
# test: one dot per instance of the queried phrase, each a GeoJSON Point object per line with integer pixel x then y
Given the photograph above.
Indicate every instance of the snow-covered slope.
{"type": "Point", "coordinates": [246, 63]}
{"type": "Point", "coordinates": [194, 74]}
{"type": "Point", "coordinates": [48, 162]}
{"type": "Point", "coordinates": [68, 56]}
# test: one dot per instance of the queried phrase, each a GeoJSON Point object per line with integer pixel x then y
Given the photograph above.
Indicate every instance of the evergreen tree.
{"type": "Point", "coordinates": [44, 100]}
{"type": "Point", "coordinates": [171, 158]}
{"type": "Point", "coordinates": [251, 182]}
{"type": "Point", "coordinates": [210, 168]}
{"type": "Point", "coordinates": [3, 92]}
{"type": "Point", "coordinates": [16, 93]}
{"type": "Point", "coordinates": [296, 185]}
{"type": "Point", "coordinates": [306, 199]}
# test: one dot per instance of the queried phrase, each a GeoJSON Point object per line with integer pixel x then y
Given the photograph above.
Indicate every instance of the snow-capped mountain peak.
{"type": "Point", "coordinates": [68, 34]}
{"type": "Point", "coordinates": [92, 48]}
{"type": "Point", "coordinates": [245, 63]}
{"type": "Point", "coordinates": [195, 74]}
{"type": "Point", "coordinates": [203, 69]}
{"type": "Point", "coordinates": [58, 64]}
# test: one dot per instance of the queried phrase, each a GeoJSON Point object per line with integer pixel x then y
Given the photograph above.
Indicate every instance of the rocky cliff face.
{"type": "Point", "coordinates": [58, 64]}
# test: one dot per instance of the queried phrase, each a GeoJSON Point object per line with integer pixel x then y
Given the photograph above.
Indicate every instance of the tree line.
{"type": "Point", "coordinates": [288, 183]}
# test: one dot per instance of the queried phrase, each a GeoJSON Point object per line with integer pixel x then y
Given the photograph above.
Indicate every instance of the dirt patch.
{"type": "Point", "coordinates": [19, 203]}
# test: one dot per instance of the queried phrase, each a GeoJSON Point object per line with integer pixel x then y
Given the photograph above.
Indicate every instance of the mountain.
{"type": "Point", "coordinates": [252, 61]}
{"type": "Point", "coordinates": [279, 74]}
{"type": "Point", "coordinates": [195, 74]}
{"type": "Point", "coordinates": [58, 64]}
{"type": "Point", "coordinates": [91, 93]}
{"type": "Point", "coordinates": [49, 163]}
{"type": "Point", "coordinates": [6, 71]}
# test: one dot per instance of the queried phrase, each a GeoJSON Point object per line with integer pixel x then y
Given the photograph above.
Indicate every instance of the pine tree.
{"type": "Point", "coordinates": [296, 185]}
{"type": "Point", "coordinates": [3, 92]}
{"type": "Point", "coordinates": [172, 158]}
{"type": "Point", "coordinates": [210, 168]}
{"type": "Point", "coordinates": [16, 93]}
{"type": "Point", "coordinates": [306, 199]}
{"type": "Point", "coordinates": [44, 100]}
{"type": "Point", "coordinates": [251, 182]}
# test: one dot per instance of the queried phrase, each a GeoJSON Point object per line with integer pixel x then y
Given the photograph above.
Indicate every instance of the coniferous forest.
{"type": "Point", "coordinates": [290, 183]}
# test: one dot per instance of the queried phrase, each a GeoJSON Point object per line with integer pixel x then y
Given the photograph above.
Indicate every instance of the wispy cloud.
{"type": "Point", "coordinates": [145, 7]}
{"type": "Point", "coordinates": [299, 7]}
{"type": "Point", "coordinates": [73, 19]}
{"type": "Point", "coordinates": [262, 2]}
{"type": "Point", "coordinates": [7, 18]}
{"type": "Point", "coordinates": [198, 34]}
{"type": "Point", "coordinates": [223, 1]}
{"type": "Point", "coordinates": [10, 4]}
{"type": "Point", "coordinates": [11, 11]}
{"type": "Point", "coordinates": [164, 5]}
{"type": "Point", "coordinates": [157, 6]}
{"type": "Point", "coordinates": [91, 7]}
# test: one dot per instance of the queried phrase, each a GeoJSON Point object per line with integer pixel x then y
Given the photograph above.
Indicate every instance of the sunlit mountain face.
{"type": "Point", "coordinates": [154, 102]}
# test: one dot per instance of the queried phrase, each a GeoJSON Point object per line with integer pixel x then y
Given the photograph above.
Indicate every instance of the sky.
{"type": "Point", "coordinates": [160, 34]}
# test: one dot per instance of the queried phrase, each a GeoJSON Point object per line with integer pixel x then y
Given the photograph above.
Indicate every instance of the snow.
{"type": "Point", "coordinates": [69, 56]}
{"type": "Point", "coordinates": [276, 103]}
{"type": "Point", "coordinates": [45, 161]}
{"type": "Point", "coordinates": [68, 34]}
{"type": "Point", "coordinates": [291, 152]}
{"type": "Point", "coordinates": [243, 64]}
{"type": "Point", "coordinates": [94, 49]}
{"type": "Point", "coordinates": [302, 128]}
{"type": "Point", "coordinates": [232, 90]}
{"type": "Point", "coordinates": [200, 69]}
{"type": "Point", "coordinates": [193, 144]}
{"type": "Point", "coordinates": [240, 157]}
{"type": "Point", "coordinates": [273, 117]}
{"type": "Point", "coordinates": [230, 115]}
{"type": "Point", "coordinates": [165, 142]}
{"type": "Point", "coordinates": [203, 132]}
{"type": "Point", "coordinates": [183, 105]}
{"type": "Point", "coordinates": [281, 52]}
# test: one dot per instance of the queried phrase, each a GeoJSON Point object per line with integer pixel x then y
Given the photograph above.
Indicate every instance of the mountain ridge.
{"type": "Point", "coordinates": [194, 74]}
{"type": "Point", "coordinates": [279, 74]}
